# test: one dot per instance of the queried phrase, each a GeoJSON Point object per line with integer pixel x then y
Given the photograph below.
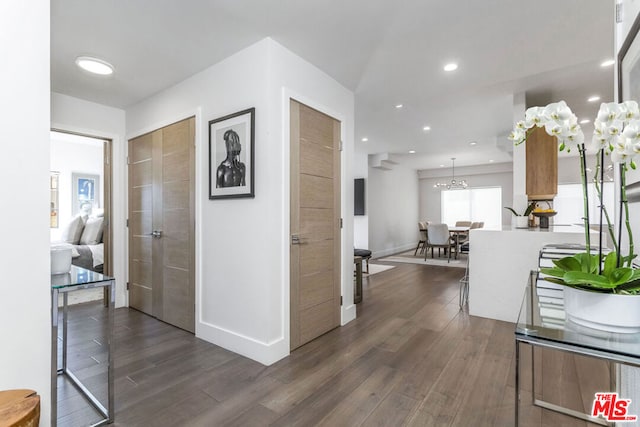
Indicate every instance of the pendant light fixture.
{"type": "Point", "coordinates": [453, 185]}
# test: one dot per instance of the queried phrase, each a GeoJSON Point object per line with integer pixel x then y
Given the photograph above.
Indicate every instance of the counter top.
{"type": "Point", "coordinates": [552, 229]}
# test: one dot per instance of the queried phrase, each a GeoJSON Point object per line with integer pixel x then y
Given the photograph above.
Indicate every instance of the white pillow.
{"type": "Point", "coordinates": [73, 231]}
{"type": "Point", "coordinates": [92, 233]}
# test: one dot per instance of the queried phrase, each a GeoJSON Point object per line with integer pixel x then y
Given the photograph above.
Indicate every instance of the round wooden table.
{"type": "Point", "coordinates": [19, 408]}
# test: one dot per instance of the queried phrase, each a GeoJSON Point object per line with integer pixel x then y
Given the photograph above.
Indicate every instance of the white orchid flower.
{"type": "Point", "coordinates": [574, 138]}
{"type": "Point", "coordinates": [554, 129]}
{"type": "Point", "coordinates": [615, 127]}
{"type": "Point", "coordinates": [631, 131]}
{"type": "Point", "coordinates": [521, 125]}
{"type": "Point", "coordinates": [609, 112]}
{"type": "Point", "coordinates": [618, 157]}
{"type": "Point", "coordinates": [517, 136]}
{"type": "Point", "coordinates": [632, 112]}
{"type": "Point", "coordinates": [599, 142]}
{"type": "Point", "coordinates": [534, 116]}
{"type": "Point", "coordinates": [557, 112]}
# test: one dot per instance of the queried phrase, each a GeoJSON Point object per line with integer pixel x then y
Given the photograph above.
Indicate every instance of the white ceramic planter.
{"type": "Point", "coordinates": [522, 222]}
{"type": "Point", "coordinates": [606, 312]}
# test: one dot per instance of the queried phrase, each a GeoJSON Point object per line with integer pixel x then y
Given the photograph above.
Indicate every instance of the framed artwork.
{"type": "Point", "coordinates": [231, 155]}
{"type": "Point", "coordinates": [85, 193]}
{"type": "Point", "coordinates": [629, 86]}
{"type": "Point", "coordinates": [54, 178]}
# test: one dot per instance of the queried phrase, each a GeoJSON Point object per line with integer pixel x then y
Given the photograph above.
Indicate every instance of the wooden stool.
{"type": "Point", "coordinates": [19, 408]}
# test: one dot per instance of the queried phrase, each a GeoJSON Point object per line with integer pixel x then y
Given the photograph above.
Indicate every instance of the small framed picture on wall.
{"type": "Point", "coordinates": [231, 155]}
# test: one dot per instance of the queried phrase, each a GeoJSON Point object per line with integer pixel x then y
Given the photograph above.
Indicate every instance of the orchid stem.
{"type": "Point", "coordinates": [625, 204]}
{"type": "Point", "coordinates": [583, 176]}
{"type": "Point", "coordinates": [603, 209]}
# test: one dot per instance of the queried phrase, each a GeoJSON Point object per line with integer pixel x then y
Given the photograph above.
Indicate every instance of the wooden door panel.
{"type": "Point", "coordinates": [316, 159]}
{"type": "Point", "coordinates": [142, 149]}
{"type": "Point", "coordinates": [162, 198]}
{"type": "Point", "coordinates": [173, 166]}
{"type": "Point", "coordinates": [313, 289]}
{"type": "Point", "coordinates": [315, 206]}
{"type": "Point", "coordinates": [316, 127]}
{"type": "Point", "coordinates": [141, 173]}
{"type": "Point", "coordinates": [316, 192]}
{"type": "Point", "coordinates": [316, 320]}
{"type": "Point", "coordinates": [142, 199]}
{"type": "Point", "coordinates": [315, 257]}
{"type": "Point", "coordinates": [140, 223]}
{"type": "Point", "coordinates": [141, 297]}
{"type": "Point", "coordinates": [175, 195]}
{"type": "Point", "coordinates": [315, 224]}
{"type": "Point", "coordinates": [142, 247]}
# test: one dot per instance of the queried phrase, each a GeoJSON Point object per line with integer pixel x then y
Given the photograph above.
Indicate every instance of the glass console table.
{"type": "Point", "coordinates": [543, 325]}
{"type": "Point", "coordinates": [77, 279]}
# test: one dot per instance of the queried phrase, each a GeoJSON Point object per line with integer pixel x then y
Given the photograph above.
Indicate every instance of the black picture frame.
{"type": "Point", "coordinates": [232, 155]}
{"type": "Point", "coordinates": [629, 79]}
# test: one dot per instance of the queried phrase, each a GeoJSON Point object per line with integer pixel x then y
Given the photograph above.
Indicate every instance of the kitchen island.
{"type": "Point", "coordinates": [500, 261]}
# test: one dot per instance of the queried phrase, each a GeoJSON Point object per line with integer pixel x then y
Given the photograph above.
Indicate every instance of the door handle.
{"type": "Point", "coordinates": [295, 239]}
{"type": "Point", "coordinates": [156, 234]}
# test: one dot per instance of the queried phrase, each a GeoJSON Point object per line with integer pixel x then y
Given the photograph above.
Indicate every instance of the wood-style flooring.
{"type": "Point", "coordinates": [410, 358]}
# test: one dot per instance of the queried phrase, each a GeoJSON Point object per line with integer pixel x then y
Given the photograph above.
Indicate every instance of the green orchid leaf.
{"type": "Point", "coordinates": [568, 264]}
{"type": "Point", "coordinates": [588, 263]}
{"type": "Point", "coordinates": [530, 208]}
{"type": "Point", "coordinates": [555, 280]}
{"type": "Point", "coordinates": [610, 263]}
{"type": "Point", "coordinates": [620, 276]}
{"type": "Point", "coordinates": [635, 275]}
{"type": "Point", "coordinates": [593, 280]}
{"type": "Point", "coordinates": [514, 212]}
{"type": "Point", "coordinates": [632, 286]}
{"type": "Point", "coordinates": [555, 272]}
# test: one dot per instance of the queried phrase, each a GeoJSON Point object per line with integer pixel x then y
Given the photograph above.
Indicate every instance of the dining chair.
{"type": "Point", "coordinates": [463, 223]}
{"type": "Point", "coordinates": [477, 225]}
{"type": "Point", "coordinates": [438, 237]}
{"type": "Point", "coordinates": [422, 226]}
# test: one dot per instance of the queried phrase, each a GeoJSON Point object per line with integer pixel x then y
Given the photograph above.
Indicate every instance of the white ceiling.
{"type": "Point", "coordinates": [386, 52]}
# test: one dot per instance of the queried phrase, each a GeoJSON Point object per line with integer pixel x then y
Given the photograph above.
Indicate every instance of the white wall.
{"type": "Point", "coordinates": [393, 210]}
{"type": "Point", "coordinates": [25, 293]}
{"type": "Point", "coordinates": [242, 278]}
{"type": "Point", "coordinates": [492, 176]}
{"type": "Point", "coordinates": [361, 222]}
{"type": "Point", "coordinates": [88, 118]}
{"type": "Point", "coordinates": [68, 157]}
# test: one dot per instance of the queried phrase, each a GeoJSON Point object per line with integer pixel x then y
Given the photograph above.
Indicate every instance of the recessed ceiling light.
{"type": "Point", "coordinates": [583, 121]}
{"type": "Point", "coordinates": [594, 98]}
{"type": "Point", "coordinates": [451, 67]}
{"type": "Point", "coordinates": [426, 128]}
{"type": "Point", "coordinates": [412, 151]}
{"type": "Point", "coordinates": [94, 65]}
{"type": "Point", "coordinates": [491, 161]}
{"type": "Point", "coordinates": [608, 63]}
{"type": "Point", "coordinates": [441, 166]}
{"type": "Point", "coordinates": [473, 143]}
{"type": "Point", "coordinates": [365, 139]}
{"type": "Point", "coordinates": [399, 106]}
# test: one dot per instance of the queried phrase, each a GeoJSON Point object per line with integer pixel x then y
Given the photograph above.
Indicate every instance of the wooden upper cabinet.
{"type": "Point", "coordinates": [542, 165]}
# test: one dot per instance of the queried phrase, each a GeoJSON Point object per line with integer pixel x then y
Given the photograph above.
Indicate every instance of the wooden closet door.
{"type": "Point", "coordinates": [315, 224]}
{"type": "Point", "coordinates": [162, 224]}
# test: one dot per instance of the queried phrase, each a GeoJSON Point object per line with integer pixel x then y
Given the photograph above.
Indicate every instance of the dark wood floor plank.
{"type": "Point", "coordinates": [392, 411]}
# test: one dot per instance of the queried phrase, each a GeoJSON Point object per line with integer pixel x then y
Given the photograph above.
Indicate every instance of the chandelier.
{"type": "Point", "coordinates": [453, 185]}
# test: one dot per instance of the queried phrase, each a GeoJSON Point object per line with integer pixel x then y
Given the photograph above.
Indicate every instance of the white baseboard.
{"type": "Point", "coordinates": [391, 251]}
{"type": "Point", "coordinates": [265, 353]}
{"type": "Point", "coordinates": [348, 314]}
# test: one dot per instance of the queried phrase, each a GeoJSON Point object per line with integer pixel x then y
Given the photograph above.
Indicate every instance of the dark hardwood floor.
{"type": "Point", "coordinates": [410, 358]}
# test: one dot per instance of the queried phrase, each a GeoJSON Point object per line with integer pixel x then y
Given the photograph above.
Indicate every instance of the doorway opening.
{"type": "Point", "coordinates": [80, 205]}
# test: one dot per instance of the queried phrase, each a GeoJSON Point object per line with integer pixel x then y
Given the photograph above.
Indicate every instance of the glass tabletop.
{"type": "Point", "coordinates": [77, 276]}
{"type": "Point", "coordinates": [542, 319]}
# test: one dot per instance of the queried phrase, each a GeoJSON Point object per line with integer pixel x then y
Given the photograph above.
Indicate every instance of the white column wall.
{"type": "Point", "coordinates": [393, 210]}
{"type": "Point", "coordinates": [25, 291]}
